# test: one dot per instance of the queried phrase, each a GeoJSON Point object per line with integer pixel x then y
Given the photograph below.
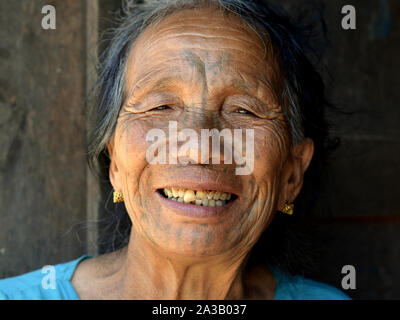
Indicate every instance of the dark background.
{"type": "Point", "coordinates": [50, 201]}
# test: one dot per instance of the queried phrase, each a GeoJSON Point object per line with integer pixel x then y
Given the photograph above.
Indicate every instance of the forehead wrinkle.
{"type": "Point", "coordinates": [227, 49]}
{"type": "Point", "coordinates": [156, 54]}
{"type": "Point", "coordinates": [261, 89]}
{"type": "Point", "coordinates": [147, 72]}
{"type": "Point", "coordinates": [208, 42]}
{"type": "Point", "coordinates": [180, 67]}
{"type": "Point", "coordinates": [197, 27]}
{"type": "Point", "coordinates": [185, 21]}
{"type": "Point", "coordinates": [161, 78]}
{"type": "Point", "coordinates": [187, 33]}
{"type": "Point", "coordinates": [150, 83]}
{"type": "Point", "coordinates": [177, 72]}
{"type": "Point", "coordinates": [202, 42]}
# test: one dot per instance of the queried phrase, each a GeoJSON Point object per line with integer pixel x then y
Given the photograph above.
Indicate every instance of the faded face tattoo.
{"type": "Point", "coordinates": [203, 70]}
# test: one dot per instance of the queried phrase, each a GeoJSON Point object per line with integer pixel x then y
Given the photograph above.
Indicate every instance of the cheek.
{"type": "Point", "coordinates": [130, 151]}
{"type": "Point", "coordinates": [131, 138]}
{"type": "Point", "coordinates": [271, 146]}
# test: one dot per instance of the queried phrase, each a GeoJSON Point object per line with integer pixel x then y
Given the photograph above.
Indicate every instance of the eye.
{"type": "Point", "coordinates": [163, 107]}
{"type": "Point", "coordinates": [243, 111]}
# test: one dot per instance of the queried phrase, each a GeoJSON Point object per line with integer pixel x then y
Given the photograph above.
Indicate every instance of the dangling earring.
{"type": "Point", "coordinates": [288, 208]}
{"type": "Point", "coordinates": [118, 197]}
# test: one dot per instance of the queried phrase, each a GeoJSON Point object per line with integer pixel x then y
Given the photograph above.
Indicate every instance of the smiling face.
{"type": "Point", "coordinates": [204, 70]}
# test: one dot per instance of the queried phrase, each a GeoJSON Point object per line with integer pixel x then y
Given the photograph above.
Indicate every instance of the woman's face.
{"type": "Point", "coordinates": [204, 71]}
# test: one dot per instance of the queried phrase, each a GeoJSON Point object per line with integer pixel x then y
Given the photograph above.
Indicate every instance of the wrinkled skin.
{"type": "Point", "coordinates": [205, 67]}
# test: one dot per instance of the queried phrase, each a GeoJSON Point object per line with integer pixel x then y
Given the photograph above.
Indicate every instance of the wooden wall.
{"type": "Point", "coordinates": [364, 227]}
{"type": "Point", "coordinates": [42, 139]}
{"type": "Point", "coordinates": [47, 195]}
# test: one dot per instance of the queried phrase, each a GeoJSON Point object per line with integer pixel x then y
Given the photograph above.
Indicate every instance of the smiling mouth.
{"type": "Point", "coordinates": [205, 198]}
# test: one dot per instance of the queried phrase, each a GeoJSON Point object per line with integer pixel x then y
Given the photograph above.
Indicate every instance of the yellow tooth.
{"type": "Point", "coordinates": [210, 195]}
{"type": "Point", "coordinates": [168, 192]}
{"type": "Point", "coordinates": [199, 202]}
{"type": "Point", "coordinates": [205, 202]}
{"type": "Point", "coordinates": [211, 203]}
{"type": "Point", "coordinates": [201, 195]}
{"type": "Point", "coordinates": [189, 196]}
{"type": "Point", "coordinates": [217, 194]}
{"type": "Point", "coordinates": [228, 197]}
{"type": "Point", "coordinates": [219, 203]}
{"type": "Point", "coordinates": [180, 199]}
{"type": "Point", "coordinates": [175, 192]}
{"type": "Point", "coordinates": [223, 196]}
{"type": "Point", "coordinates": [181, 193]}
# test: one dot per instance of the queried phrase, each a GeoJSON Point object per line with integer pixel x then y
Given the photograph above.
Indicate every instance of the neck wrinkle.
{"type": "Point", "coordinates": [147, 273]}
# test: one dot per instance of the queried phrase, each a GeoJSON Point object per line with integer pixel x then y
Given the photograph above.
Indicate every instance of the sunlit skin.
{"type": "Point", "coordinates": [205, 68]}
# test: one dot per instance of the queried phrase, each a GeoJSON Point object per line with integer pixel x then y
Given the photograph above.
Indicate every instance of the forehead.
{"type": "Point", "coordinates": [197, 44]}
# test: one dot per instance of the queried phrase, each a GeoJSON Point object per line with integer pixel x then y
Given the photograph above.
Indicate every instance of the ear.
{"type": "Point", "coordinates": [293, 173]}
{"type": "Point", "coordinates": [114, 174]}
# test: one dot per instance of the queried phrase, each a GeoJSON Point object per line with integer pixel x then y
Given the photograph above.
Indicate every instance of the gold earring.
{"type": "Point", "coordinates": [118, 197]}
{"type": "Point", "coordinates": [288, 208]}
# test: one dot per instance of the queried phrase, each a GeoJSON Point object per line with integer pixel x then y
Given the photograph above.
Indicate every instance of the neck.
{"type": "Point", "coordinates": [148, 272]}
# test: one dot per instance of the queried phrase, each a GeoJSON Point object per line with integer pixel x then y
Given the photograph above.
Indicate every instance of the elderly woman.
{"type": "Point", "coordinates": [232, 66]}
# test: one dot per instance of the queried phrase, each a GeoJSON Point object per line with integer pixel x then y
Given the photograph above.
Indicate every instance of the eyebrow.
{"type": "Point", "coordinates": [163, 84]}
{"type": "Point", "coordinates": [153, 95]}
{"type": "Point", "coordinates": [264, 109]}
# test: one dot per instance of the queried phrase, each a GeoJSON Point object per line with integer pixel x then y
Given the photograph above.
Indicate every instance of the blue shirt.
{"type": "Point", "coordinates": [29, 286]}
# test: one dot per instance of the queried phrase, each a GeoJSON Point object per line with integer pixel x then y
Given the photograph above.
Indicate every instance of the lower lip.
{"type": "Point", "coordinates": [193, 210]}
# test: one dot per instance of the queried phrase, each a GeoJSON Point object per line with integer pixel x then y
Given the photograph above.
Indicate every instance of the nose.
{"type": "Point", "coordinates": [203, 137]}
{"type": "Point", "coordinates": [201, 116]}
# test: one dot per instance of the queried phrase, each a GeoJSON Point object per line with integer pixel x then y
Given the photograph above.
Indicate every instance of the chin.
{"type": "Point", "coordinates": [195, 246]}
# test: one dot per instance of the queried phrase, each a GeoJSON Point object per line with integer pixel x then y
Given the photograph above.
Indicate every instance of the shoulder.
{"type": "Point", "coordinates": [295, 287]}
{"type": "Point", "coordinates": [47, 283]}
